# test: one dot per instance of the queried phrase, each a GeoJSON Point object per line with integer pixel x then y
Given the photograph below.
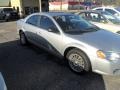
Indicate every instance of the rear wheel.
{"type": "Point", "coordinates": [78, 61]}
{"type": "Point", "coordinates": [23, 39]}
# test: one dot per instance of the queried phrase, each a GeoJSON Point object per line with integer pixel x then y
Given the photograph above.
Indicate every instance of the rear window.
{"type": "Point", "coordinates": [8, 9]}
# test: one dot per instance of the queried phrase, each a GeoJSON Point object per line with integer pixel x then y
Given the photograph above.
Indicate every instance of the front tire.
{"type": "Point", "coordinates": [23, 39]}
{"type": "Point", "coordinates": [78, 61]}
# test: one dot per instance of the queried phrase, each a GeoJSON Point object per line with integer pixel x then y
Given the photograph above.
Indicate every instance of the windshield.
{"type": "Point", "coordinates": [8, 9]}
{"type": "Point", "coordinates": [111, 18]}
{"type": "Point", "coordinates": [74, 23]}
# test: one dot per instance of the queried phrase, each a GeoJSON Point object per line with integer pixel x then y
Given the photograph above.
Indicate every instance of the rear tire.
{"type": "Point", "coordinates": [23, 39]}
{"type": "Point", "coordinates": [78, 61]}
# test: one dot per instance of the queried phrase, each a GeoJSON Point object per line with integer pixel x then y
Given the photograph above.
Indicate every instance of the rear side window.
{"type": "Point", "coordinates": [33, 20]}
{"type": "Point", "coordinates": [8, 10]}
{"type": "Point", "coordinates": [110, 11]}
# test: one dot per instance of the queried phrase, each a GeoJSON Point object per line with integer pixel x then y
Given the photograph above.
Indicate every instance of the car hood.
{"type": "Point", "coordinates": [101, 39]}
{"type": "Point", "coordinates": [108, 26]}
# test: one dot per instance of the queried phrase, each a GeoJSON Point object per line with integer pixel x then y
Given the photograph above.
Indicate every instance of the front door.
{"type": "Point", "coordinates": [51, 37]}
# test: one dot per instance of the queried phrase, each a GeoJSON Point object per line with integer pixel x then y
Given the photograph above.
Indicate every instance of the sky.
{"type": "Point", "coordinates": [4, 2]}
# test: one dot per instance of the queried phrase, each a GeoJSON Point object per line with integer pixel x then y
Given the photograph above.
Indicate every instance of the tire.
{"type": "Point", "coordinates": [78, 61]}
{"type": "Point", "coordinates": [23, 39]}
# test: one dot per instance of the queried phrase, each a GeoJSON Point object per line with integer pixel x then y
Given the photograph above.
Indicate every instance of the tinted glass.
{"type": "Point", "coordinates": [83, 15]}
{"type": "Point", "coordinates": [86, 16]}
{"type": "Point", "coordinates": [7, 9]}
{"type": "Point", "coordinates": [47, 23]}
{"type": "Point", "coordinates": [110, 11]}
{"type": "Point", "coordinates": [33, 20]}
{"type": "Point", "coordinates": [74, 23]}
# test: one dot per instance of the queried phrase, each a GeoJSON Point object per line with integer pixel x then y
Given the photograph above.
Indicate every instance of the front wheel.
{"type": "Point", "coordinates": [78, 61]}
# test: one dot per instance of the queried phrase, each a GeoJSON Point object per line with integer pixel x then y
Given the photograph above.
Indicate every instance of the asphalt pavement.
{"type": "Point", "coordinates": [32, 68]}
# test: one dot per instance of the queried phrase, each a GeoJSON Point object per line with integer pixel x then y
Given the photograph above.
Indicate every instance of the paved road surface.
{"type": "Point", "coordinates": [31, 68]}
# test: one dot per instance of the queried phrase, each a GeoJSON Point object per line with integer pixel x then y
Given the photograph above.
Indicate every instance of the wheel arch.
{"type": "Point", "coordinates": [70, 48]}
{"type": "Point", "coordinates": [20, 30]}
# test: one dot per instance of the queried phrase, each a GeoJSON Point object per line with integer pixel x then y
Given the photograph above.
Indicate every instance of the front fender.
{"type": "Point", "coordinates": [75, 45]}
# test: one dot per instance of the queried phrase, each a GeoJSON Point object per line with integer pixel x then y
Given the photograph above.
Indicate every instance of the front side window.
{"type": "Point", "coordinates": [33, 20]}
{"type": "Point", "coordinates": [74, 23]}
{"type": "Point", "coordinates": [46, 23]}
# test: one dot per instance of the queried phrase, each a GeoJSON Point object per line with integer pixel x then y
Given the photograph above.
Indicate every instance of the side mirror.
{"type": "Point", "coordinates": [53, 29]}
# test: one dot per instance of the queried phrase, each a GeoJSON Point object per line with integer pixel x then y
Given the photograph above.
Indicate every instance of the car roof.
{"type": "Point", "coordinates": [5, 7]}
{"type": "Point", "coordinates": [56, 13]}
{"type": "Point", "coordinates": [110, 7]}
{"type": "Point", "coordinates": [92, 11]}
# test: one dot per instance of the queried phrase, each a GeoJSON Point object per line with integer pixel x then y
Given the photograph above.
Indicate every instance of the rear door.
{"type": "Point", "coordinates": [30, 27]}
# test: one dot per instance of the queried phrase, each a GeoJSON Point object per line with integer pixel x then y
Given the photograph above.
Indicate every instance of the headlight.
{"type": "Point", "coordinates": [108, 55]}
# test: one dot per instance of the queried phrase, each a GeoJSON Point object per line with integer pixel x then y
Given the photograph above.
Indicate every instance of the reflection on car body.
{"type": "Point", "coordinates": [102, 19]}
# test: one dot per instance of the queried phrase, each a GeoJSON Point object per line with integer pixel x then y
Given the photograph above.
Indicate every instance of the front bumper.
{"type": "Point", "coordinates": [107, 67]}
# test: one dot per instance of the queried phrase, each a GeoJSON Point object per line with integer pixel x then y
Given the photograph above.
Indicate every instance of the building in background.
{"type": "Point", "coordinates": [72, 4]}
{"type": "Point", "coordinates": [26, 7]}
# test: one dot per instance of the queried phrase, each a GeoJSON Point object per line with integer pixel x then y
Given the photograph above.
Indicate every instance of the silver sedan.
{"type": "Point", "coordinates": [85, 46]}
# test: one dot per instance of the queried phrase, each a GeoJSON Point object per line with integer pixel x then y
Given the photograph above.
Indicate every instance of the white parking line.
{"type": "Point", "coordinates": [2, 83]}
{"type": "Point", "coordinates": [112, 82]}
